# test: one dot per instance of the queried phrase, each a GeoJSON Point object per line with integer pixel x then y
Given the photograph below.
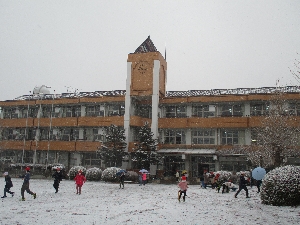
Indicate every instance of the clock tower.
{"type": "Point", "coordinates": [146, 83]}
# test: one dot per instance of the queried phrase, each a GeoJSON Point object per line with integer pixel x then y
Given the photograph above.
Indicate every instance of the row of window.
{"type": "Point", "coordinates": [171, 111]}
{"type": "Point", "coordinates": [176, 136]}
{"type": "Point", "coordinates": [205, 136]}
{"type": "Point", "coordinates": [66, 134]}
{"type": "Point", "coordinates": [68, 111]}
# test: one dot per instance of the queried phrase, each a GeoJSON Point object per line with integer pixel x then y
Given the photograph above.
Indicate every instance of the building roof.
{"type": "Point", "coordinates": [146, 46]}
{"type": "Point", "coordinates": [190, 93]}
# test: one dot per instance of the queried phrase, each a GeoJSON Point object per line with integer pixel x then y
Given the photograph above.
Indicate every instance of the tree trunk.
{"type": "Point", "coordinates": [277, 157]}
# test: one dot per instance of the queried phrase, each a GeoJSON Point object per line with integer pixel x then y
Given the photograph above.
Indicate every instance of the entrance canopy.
{"type": "Point", "coordinates": [187, 151]}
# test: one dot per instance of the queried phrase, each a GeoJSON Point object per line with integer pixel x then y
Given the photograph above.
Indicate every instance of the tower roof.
{"type": "Point", "coordinates": [146, 46]}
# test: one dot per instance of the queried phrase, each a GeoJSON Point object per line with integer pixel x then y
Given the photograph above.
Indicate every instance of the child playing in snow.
{"type": "Point", "coordinates": [79, 180]}
{"type": "Point", "coordinates": [183, 188]}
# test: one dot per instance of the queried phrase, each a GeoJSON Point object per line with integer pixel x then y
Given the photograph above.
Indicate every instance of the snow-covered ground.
{"type": "Point", "coordinates": [104, 203]}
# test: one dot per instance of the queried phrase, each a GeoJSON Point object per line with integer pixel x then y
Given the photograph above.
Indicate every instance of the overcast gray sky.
{"type": "Point", "coordinates": [83, 45]}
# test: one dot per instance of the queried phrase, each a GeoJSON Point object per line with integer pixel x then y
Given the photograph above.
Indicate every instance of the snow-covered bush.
{"type": "Point", "coordinates": [247, 173]}
{"type": "Point", "coordinates": [223, 175]}
{"type": "Point", "coordinates": [281, 187]}
{"type": "Point", "coordinates": [74, 170]}
{"type": "Point", "coordinates": [55, 166]}
{"type": "Point", "coordinates": [109, 174]}
{"type": "Point", "coordinates": [93, 174]}
{"type": "Point", "coordinates": [131, 176]}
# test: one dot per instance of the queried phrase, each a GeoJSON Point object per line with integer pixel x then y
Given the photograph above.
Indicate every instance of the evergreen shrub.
{"type": "Point", "coordinates": [93, 174]}
{"type": "Point", "coordinates": [281, 186]}
{"type": "Point", "coordinates": [74, 170]}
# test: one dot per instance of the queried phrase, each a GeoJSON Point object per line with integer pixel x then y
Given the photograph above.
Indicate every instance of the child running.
{"type": "Point", "coordinates": [183, 188]}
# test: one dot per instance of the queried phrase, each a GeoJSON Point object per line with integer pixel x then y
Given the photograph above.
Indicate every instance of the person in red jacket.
{"type": "Point", "coordinates": [79, 180]}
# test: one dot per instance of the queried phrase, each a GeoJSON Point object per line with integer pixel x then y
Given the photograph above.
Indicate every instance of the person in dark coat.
{"type": "Point", "coordinates": [8, 185]}
{"type": "Point", "coordinates": [122, 178]}
{"type": "Point", "coordinates": [242, 185]}
{"type": "Point", "coordinates": [258, 184]}
{"type": "Point", "coordinates": [25, 186]}
{"type": "Point", "coordinates": [57, 179]}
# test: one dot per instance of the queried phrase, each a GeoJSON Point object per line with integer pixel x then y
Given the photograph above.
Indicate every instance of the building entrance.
{"type": "Point", "coordinates": [202, 168]}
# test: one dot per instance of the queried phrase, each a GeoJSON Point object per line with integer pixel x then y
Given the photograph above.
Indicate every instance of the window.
{"type": "Point", "coordinates": [75, 134]}
{"type": "Point", "coordinates": [144, 111]}
{"type": "Point", "coordinates": [72, 111]}
{"type": "Point", "coordinates": [31, 134]}
{"type": "Point", "coordinates": [175, 111]}
{"type": "Point", "coordinates": [44, 133]}
{"type": "Point", "coordinates": [205, 136]}
{"type": "Point", "coordinates": [95, 111]}
{"type": "Point", "coordinates": [259, 108]}
{"type": "Point", "coordinates": [10, 134]}
{"type": "Point", "coordinates": [174, 137]}
{"type": "Point", "coordinates": [23, 112]}
{"type": "Point", "coordinates": [46, 110]}
{"type": "Point", "coordinates": [294, 109]}
{"type": "Point", "coordinates": [68, 112]}
{"type": "Point", "coordinates": [116, 110]}
{"type": "Point", "coordinates": [6, 113]}
{"type": "Point", "coordinates": [99, 111]}
{"type": "Point", "coordinates": [91, 159]}
{"type": "Point", "coordinates": [90, 111]}
{"type": "Point", "coordinates": [10, 113]}
{"type": "Point", "coordinates": [232, 137]}
{"type": "Point", "coordinates": [20, 134]}
{"type": "Point", "coordinates": [173, 164]}
{"type": "Point", "coordinates": [56, 112]}
{"type": "Point", "coordinates": [231, 110]}
{"type": "Point", "coordinates": [65, 134]}
{"type": "Point", "coordinates": [97, 136]}
{"type": "Point", "coordinates": [204, 111]}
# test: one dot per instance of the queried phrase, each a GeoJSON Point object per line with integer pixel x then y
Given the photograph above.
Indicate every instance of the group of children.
{"type": "Point", "coordinates": [25, 185]}
{"type": "Point", "coordinates": [79, 181]}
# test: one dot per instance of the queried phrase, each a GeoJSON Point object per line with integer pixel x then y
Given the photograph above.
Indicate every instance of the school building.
{"type": "Point", "coordinates": [191, 126]}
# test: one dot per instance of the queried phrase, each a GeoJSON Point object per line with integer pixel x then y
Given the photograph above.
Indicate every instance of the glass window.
{"type": "Point", "coordinates": [294, 109]}
{"type": "Point", "coordinates": [204, 111]}
{"type": "Point", "coordinates": [232, 137]}
{"type": "Point", "coordinates": [46, 110]}
{"type": "Point", "coordinates": [116, 110]}
{"type": "Point", "coordinates": [173, 164]}
{"type": "Point", "coordinates": [231, 110]}
{"type": "Point", "coordinates": [259, 108]}
{"type": "Point", "coordinates": [94, 111]}
{"type": "Point", "coordinates": [203, 136]}
{"type": "Point", "coordinates": [44, 133]}
{"type": "Point", "coordinates": [91, 159]}
{"type": "Point", "coordinates": [175, 111]}
{"type": "Point", "coordinates": [144, 111]}
{"type": "Point", "coordinates": [90, 110]}
{"type": "Point", "coordinates": [174, 137]}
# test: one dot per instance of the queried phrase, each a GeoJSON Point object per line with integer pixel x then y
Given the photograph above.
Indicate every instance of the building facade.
{"type": "Point", "coordinates": [191, 126]}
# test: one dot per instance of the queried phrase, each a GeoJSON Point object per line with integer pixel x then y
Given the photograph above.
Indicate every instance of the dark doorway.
{"type": "Point", "coordinates": [202, 168]}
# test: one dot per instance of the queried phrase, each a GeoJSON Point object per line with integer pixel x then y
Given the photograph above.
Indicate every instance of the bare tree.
{"type": "Point", "coordinates": [276, 139]}
{"type": "Point", "coordinates": [296, 72]}
{"type": "Point", "coordinates": [278, 134]}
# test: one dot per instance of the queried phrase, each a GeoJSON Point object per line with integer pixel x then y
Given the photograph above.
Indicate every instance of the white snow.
{"type": "Point", "coordinates": [105, 203]}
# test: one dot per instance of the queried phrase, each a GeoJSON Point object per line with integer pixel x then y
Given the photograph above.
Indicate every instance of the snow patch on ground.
{"type": "Point", "coordinates": [105, 203]}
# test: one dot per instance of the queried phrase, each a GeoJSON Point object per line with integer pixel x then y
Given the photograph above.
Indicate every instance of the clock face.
{"type": "Point", "coordinates": [142, 68]}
